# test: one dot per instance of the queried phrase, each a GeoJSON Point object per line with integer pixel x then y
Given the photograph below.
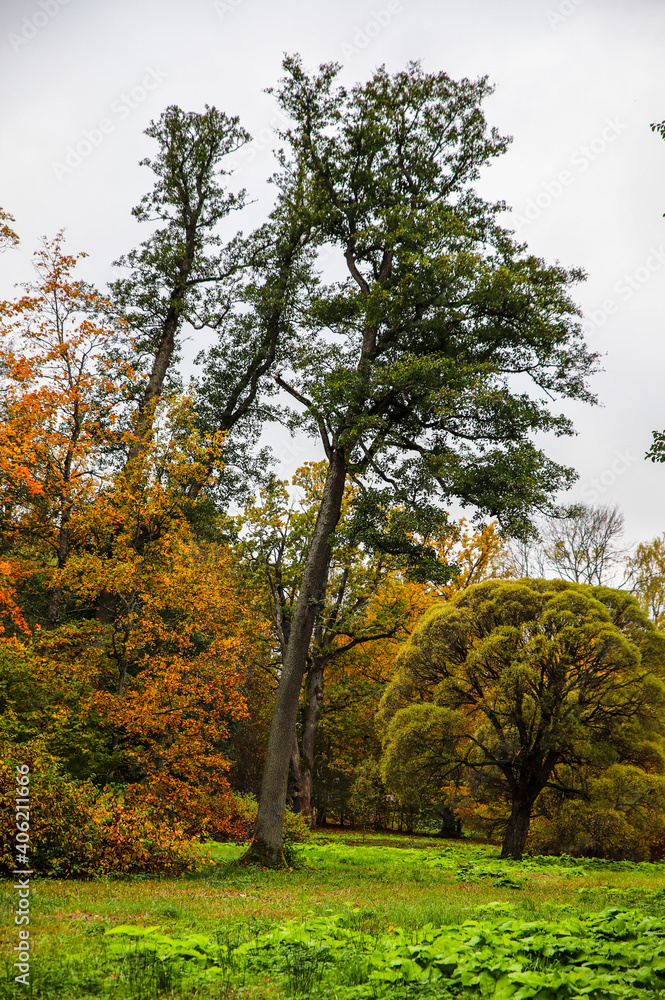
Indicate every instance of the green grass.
{"type": "Point", "coordinates": [326, 928]}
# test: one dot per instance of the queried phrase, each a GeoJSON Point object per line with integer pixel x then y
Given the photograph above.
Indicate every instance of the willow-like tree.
{"type": "Point", "coordinates": [431, 355]}
{"type": "Point", "coordinates": [514, 687]}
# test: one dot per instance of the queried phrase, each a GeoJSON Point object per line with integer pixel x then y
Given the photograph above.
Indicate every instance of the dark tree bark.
{"type": "Point", "coordinates": [517, 830]}
{"type": "Point", "coordinates": [313, 713]}
{"type": "Point", "coordinates": [295, 790]}
{"type": "Point", "coordinates": [55, 597]}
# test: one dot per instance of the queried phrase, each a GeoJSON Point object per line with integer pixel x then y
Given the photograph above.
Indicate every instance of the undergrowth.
{"type": "Point", "coordinates": [356, 922]}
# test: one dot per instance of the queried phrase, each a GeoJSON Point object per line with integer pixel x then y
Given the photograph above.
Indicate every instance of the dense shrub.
{"type": "Point", "coordinates": [77, 829]}
{"type": "Point", "coordinates": [368, 796]}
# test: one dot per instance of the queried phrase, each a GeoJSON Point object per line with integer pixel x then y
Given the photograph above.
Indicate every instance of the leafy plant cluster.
{"type": "Point", "coordinates": [466, 863]}
{"type": "Point", "coordinates": [535, 698]}
{"type": "Point", "coordinates": [455, 857]}
{"type": "Point", "coordinates": [611, 954]}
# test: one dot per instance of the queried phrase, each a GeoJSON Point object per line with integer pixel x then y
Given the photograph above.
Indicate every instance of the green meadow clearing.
{"type": "Point", "coordinates": [373, 917]}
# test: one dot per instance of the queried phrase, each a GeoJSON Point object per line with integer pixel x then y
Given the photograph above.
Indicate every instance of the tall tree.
{"type": "Point", "coordinates": [413, 369]}
{"type": "Point", "coordinates": [514, 687]}
{"type": "Point", "coordinates": [190, 274]}
{"type": "Point", "coordinates": [175, 275]}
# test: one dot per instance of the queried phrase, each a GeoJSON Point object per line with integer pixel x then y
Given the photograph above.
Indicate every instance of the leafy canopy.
{"type": "Point", "coordinates": [431, 362]}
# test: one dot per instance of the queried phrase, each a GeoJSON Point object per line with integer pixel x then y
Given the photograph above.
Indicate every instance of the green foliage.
{"type": "Point", "coordinates": [612, 954]}
{"type": "Point", "coordinates": [175, 275]}
{"type": "Point", "coordinates": [367, 794]}
{"type": "Point", "coordinates": [234, 931]}
{"type": "Point", "coordinates": [276, 539]}
{"type": "Point", "coordinates": [648, 567]}
{"type": "Point", "coordinates": [438, 309]}
{"type": "Point", "coordinates": [622, 816]}
{"type": "Point", "coordinates": [511, 687]}
{"type": "Point", "coordinates": [657, 450]}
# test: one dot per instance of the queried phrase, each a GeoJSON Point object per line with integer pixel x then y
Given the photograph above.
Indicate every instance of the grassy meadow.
{"type": "Point", "coordinates": [358, 917]}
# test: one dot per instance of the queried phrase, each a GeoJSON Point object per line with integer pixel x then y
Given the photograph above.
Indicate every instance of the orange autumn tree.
{"type": "Point", "coordinates": [183, 646]}
{"type": "Point", "coordinates": [164, 739]}
{"type": "Point", "coordinates": [11, 616]}
{"type": "Point", "coordinates": [477, 555]}
{"type": "Point", "coordinates": [181, 632]}
{"type": "Point", "coordinates": [60, 406]}
{"type": "Point", "coordinates": [141, 631]}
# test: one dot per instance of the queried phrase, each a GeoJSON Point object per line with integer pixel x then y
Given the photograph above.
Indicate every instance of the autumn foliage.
{"type": "Point", "coordinates": [143, 630]}
{"type": "Point", "coordinates": [133, 645]}
{"type": "Point", "coordinates": [80, 830]}
{"type": "Point", "coordinates": [125, 637]}
{"type": "Point", "coordinates": [140, 635]}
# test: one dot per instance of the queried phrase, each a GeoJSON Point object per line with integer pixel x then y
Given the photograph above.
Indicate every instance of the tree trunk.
{"type": "Point", "coordinates": [517, 829]}
{"type": "Point", "coordinates": [266, 847]}
{"type": "Point", "coordinates": [153, 389]}
{"type": "Point", "coordinates": [295, 790]}
{"type": "Point", "coordinates": [306, 807]}
{"type": "Point", "coordinates": [165, 349]}
{"type": "Point", "coordinates": [54, 601]}
{"type": "Point", "coordinates": [312, 718]}
{"type": "Point", "coordinates": [302, 758]}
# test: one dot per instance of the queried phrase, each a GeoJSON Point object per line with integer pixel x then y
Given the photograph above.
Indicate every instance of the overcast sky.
{"type": "Point", "coordinates": [577, 84]}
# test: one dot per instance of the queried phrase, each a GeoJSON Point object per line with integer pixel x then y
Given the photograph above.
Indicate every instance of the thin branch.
{"type": "Point", "coordinates": [309, 405]}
